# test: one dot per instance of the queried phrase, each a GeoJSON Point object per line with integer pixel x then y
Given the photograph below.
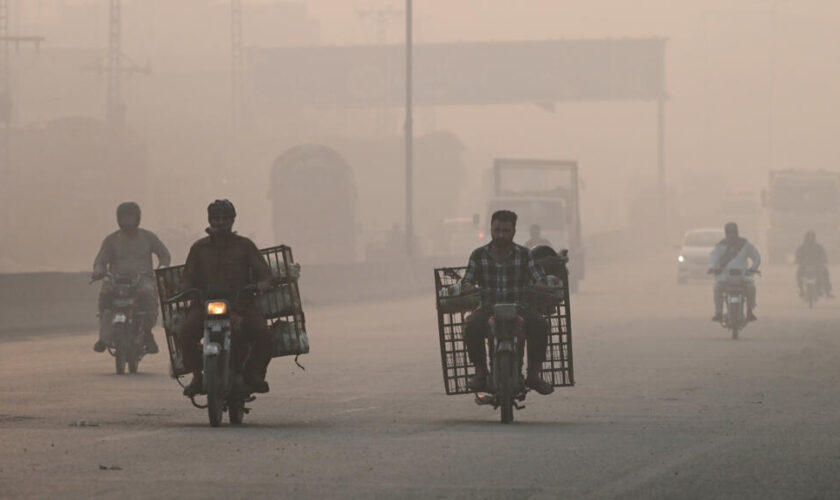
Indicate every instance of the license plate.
{"type": "Point", "coordinates": [734, 300]}
{"type": "Point", "coordinates": [119, 318]}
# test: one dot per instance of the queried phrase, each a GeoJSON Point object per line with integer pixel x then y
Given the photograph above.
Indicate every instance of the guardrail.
{"type": "Point", "coordinates": [66, 301]}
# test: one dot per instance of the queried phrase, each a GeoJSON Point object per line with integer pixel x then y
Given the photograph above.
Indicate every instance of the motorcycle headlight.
{"type": "Point", "coordinates": [680, 259]}
{"type": "Point", "coordinates": [216, 308]}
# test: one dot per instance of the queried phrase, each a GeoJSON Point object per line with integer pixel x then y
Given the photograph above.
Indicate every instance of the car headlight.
{"type": "Point", "coordinates": [680, 259]}
{"type": "Point", "coordinates": [216, 308]}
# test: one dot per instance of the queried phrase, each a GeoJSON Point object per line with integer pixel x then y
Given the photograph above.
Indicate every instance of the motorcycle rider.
{"type": "Point", "coordinates": [733, 253]}
{"type": "Point", "coordinates": [224, 262]}
{"type": "Point", "coordinates": [128, 251]}
{"type": "Point", "coordinates": [811, 253]}
{"type": "Point", "coordinates": [536, 240]}
{"type": "Point", "coordinates": [503, 268]}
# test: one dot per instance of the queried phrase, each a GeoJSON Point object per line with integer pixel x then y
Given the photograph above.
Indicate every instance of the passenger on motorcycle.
{"type": "Point", "coordinates": [224, 261]}
{"type": "Point", "coordinates": [811, 253]}
{"type": "Point", "coordinates": [502, 268]}
{"type": "Point", "coordinates": [734, 253]}
{"type": "Point", "coordinates": [128, 251]}
{"type": "Point", "coordinates": [536, 239]}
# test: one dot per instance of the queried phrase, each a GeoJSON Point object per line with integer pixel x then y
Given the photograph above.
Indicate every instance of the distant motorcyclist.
{"type": "Point", "coordinates": [734, 253]}
{"type": "Point", "coordinates": [128, 251]}
{"type": "Point", "coordinates": [811, 253]}
{"type": "Point", "coordinates": [536, 240]}
{"type": "Point", "coordinates": [503, 268]}
{"type": "Point", "coordinates": [224, 261]}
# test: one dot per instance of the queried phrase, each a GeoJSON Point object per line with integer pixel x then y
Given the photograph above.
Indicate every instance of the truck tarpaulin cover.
{"type": "Point", "coordinates": [461, 73]}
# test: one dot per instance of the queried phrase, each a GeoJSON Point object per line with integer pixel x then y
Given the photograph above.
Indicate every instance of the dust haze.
{"type": "Point", "coordinates": [748, 90]}
{"type": "Point", "coordinates": [650, 125]}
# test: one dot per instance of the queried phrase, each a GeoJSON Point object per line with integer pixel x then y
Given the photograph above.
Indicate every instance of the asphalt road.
{"type": "Point", "coordinates": [666, 406]}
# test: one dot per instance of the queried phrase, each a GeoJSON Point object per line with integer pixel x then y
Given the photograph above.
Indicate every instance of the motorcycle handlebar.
{"type": "Point", "coordinates": [248, 289]}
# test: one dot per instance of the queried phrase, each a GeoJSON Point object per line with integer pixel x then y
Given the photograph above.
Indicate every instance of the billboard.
{"type": "Point", "coordinates": [460, 73]}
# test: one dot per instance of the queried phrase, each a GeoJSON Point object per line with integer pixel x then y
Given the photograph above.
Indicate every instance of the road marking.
{"type": "Point", "coordinates": [638, 477]}
{"type": "Point", "coordinates": [122, 436]}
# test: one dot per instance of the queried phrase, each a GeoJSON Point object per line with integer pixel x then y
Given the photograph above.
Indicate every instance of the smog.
{"type": "Point", "coordinates": [324, 188]}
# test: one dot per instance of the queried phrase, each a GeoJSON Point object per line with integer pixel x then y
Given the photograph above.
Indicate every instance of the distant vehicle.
{"type": "Point", "coordinates": [459, 236]}
{"type": "Point", "coordinates": [811, 284]}
{"type": "Point", "coordinates": [693, 260]}
{"type": "Point", "coordinates": [735, 301]}
{"type": "Point", "coordinates": [798, 200]}
{"type": "Point", "coordinates": [743, 207]}
{"type": "Point", "coordinates": [545, 193]}
{"type": "Point", "coordinates": [313, 193]}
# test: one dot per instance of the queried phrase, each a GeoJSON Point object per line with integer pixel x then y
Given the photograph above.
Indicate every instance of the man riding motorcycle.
{"type": "Point", "coordinates": [502, 268]}
{"type": "Point", "coordinates": [733, 253]}
{"type": "Point", "coordinates": [225, 262]}
{"type": "Point", "coordinates": [128, 251]}
{"type": "Point", "coordinates": [811, 253]}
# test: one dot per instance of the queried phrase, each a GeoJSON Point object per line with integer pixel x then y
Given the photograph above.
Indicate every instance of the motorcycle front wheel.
{"type": "Point", "coordinates": [236, 412]}
{"type": "Point", "coordinates": [119, 348]}
{"type": "Point", "coordinates": [213, 385]}
{"type": "Point", "coordinates": [504, 369]}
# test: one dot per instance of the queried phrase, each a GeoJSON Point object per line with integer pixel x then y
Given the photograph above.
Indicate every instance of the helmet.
{"type": "Point", "coordinates": [543, 251]}
{"type": "Point", "coordinates": [810, 237]}
{"type": "Point", "coordinates": [221, 208]}
{"type": "Point", "coordinates": [731, 228]}
{"type": "Point", "coordinates": [128, 209]}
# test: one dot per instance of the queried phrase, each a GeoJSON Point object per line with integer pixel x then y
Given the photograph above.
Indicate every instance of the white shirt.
{"type": "Point", "coordinates": [748, 253]}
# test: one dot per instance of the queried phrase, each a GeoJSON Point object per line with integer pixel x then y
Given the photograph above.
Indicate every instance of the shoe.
{"type": "Point", "coordinates": [149, 342]}
{"type": "Point", "coordinates": [195, 386]}
{"type": "Point", "coordinates": [536, 383]}
{"type": "Point", "coordinates": [751, 316]}
{"type": "Point", "coordinates": [478, 382]}
{"type": "Point", "coordinates": [256, 383]}
{"type": "Point", "coordinates": [99, 346]}
{"type": "Point", "coordinates": [717, 318]}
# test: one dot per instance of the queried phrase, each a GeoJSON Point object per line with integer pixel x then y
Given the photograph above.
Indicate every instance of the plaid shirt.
{"type": "Point", "coordinates": [503, 280]}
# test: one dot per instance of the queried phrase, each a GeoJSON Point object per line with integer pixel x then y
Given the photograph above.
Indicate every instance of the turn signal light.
{"type": "Point", "coordinates": [216, 308]}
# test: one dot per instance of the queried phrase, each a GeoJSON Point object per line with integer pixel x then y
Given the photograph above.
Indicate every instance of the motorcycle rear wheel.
{"type": "Point", "coordinates": [213, 384]}
{"type": "Point", "coordinates": [504, 369]}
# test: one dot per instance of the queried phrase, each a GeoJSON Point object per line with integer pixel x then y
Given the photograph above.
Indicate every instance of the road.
{"type": "Point", "coordinates": [666, 406]}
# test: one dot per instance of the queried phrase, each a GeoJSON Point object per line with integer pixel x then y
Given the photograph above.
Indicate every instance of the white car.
{"type": "Point", "coordinates": [697, 245]}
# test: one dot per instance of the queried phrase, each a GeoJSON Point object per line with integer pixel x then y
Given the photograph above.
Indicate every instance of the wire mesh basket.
{"type": "Point", "coordinates": [454, 310]}
{"type": "Point", "coordinates": [280, 305]}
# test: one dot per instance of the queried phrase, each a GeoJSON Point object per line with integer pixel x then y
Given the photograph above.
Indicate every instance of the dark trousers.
{"type": "Point", "coordinates": [478, 327]}
{"type": "Point", "coordinates": [247, 321]}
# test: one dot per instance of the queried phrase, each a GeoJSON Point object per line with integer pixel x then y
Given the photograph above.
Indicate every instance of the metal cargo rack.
{"type": "Point", "coordinates": [452, 315]}
{"type": "Point", "coordinates": [281, 305]}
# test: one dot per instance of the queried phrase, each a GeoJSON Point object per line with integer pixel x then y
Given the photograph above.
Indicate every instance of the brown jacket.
{"type": "Point", "coordinates": [228, 262]}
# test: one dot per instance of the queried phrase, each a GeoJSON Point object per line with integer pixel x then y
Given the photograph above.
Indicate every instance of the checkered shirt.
{"type": "Point", "coordinates": [503, 281]}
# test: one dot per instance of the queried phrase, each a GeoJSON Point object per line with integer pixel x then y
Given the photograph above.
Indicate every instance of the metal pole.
{"type": "Point", "coordinates": [114, 109]}
{"type": "Point", "coordinates": [409, 135]}
{"type": "Point", "coordinates": [236, 65]}
{"type": "Point", "coordinates": [660, 164]}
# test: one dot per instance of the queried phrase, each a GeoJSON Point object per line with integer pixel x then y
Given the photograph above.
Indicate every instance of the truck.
{"type": "Point", "coordinates": [797, 201]}
{"type": "Point", "coordinates": [313, 195]}
{"type": "Point", "coordinates": [545, 193]}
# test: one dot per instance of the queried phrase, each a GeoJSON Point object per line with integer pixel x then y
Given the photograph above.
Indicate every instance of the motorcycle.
{"type": "Point", "coordinates": [128, 323]}
{"type": "Point", "coordinates": [735, 301]}
{"type": "Point", "coordinates": [223, 373]}
{"type": "Point", "coordinates": [507, 341]}
{"type": "Point", "coordinates": [811, 284]}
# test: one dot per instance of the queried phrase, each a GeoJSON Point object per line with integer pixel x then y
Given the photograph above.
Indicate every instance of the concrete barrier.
{"type": "Point", "coordinates": [65, 301]}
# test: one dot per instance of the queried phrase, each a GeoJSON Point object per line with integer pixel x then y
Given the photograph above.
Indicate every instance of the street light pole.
{"type": "Point", "coordinates": [409, 135]}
